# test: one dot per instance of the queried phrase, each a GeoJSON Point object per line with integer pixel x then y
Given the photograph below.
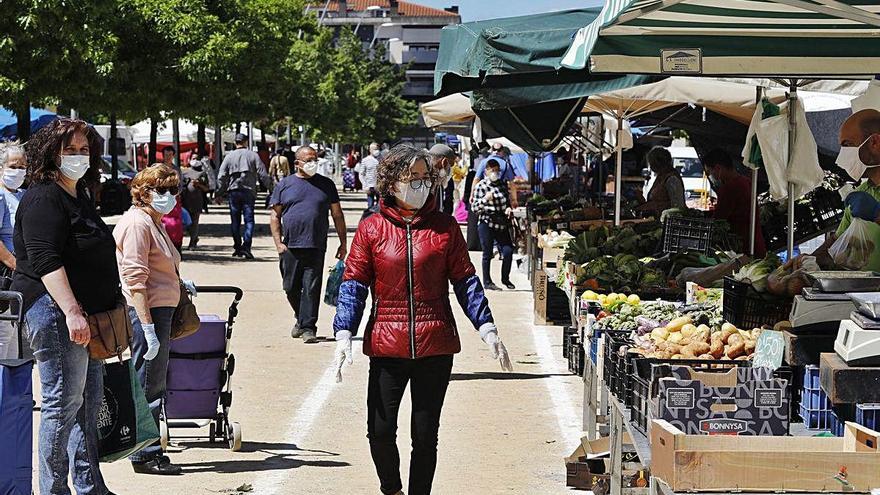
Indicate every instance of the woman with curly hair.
{"type": "Point", "coordinates": [148, 265]}
{"type": "Point", "coordinates": [65, 269]}
{"type": "Point", "coordinates": [408, 255]}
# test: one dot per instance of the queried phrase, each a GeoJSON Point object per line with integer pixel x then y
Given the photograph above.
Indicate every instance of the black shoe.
{"type": "Point", "coordinates": [310, 337]}
{"type": "Point", "coordinates": [247, 255]}
{"type": "Point", "coordinates": [159, 466]}
{"type": "Point", "coordinates": [491, 286]}
{"type": "Point", "coordinates": [237, 254]}
{"type": "Point", "coordinates": [509, 285]}
{"type": "Point", "coordinates": [296, 332]}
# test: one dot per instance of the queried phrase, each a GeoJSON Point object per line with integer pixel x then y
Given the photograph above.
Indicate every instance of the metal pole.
{"type": "Point", "coordinates": [618, 176]}
{"type": "Point", "coordinates": [324, 12]}
{"type": "Point", "coordinates": [792, 127]}
{"type": "Point", "coordinates": [175, 132]}
{"type": "Point", "coordinates": [250, 135]}
{"type": "Point", "coordinates": [302, 130]}
{"type": "Point", "coordinates": [218, 145]}
{"type": "Point", "coordinates": [759, 93]}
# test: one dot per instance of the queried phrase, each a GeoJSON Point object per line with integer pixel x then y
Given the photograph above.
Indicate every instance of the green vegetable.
{"type": "Point", "coordinates": [756, 273]}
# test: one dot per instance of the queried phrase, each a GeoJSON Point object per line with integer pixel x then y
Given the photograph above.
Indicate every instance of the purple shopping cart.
{"type": "Point", "coordinates": [199, 391]}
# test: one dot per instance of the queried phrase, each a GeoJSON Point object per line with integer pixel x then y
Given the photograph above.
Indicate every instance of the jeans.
{"type": "Point", "coordinates": [488, 237]}
{"type": "Point", "coordinates": [72, 391]}
{"type": "Point", "coordinates": [372, 198]}
{"type": "Point", "coordinates": [152, 374]}
{"type": "Point", "coordinates": [241, 202]}
{"type": "Point", "coordinates": [301, 275]}
{"type": "Point", "coordinates": [387, 382]}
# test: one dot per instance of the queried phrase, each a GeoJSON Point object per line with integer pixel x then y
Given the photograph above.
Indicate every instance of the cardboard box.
{"type": "Point", "coordinates": [540, 294]}
{"type": "Point", "coordinates": [588, 466]}
{"type": "Point", "coordinates": [748, 464]}
{"type": "Point", "coordinates": [551, 256]}
{"type": "Point", "coordinates": [741, 401]}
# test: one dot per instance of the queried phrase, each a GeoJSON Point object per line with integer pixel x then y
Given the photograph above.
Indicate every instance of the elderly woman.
{"type": "Point", "coordinates": [65, 269]}
{"type": "Point", "coordinates": [12, 165]}
{"type": "Point", "coordinates": [148, 265]}
{"type": "Point", "coordinates": [408, 255]}
{"type": "Point", "coordinates": [668, 189]}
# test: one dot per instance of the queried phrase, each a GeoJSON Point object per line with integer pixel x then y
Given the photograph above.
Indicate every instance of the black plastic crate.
{"type": "Point", "coordinates": [691, 234]}
{"type": "Point", "coordinates": [827, 208]}
{"type": "Point", "coordinates": [617, 366]}
{"type": "Point", "coordinates": [641, 394]}
{"type": "Point", "coordinates": [573, 344]}
{"type": "Point", "coordinates": [566, 343]}
{"type": "Point", "coordinates": [745, 308]}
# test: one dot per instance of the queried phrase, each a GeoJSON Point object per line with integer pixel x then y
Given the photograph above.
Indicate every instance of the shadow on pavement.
{"type": "Point", "coordinates": [294, 458]}
{"type": "Point", "coordinates": [492, 375]}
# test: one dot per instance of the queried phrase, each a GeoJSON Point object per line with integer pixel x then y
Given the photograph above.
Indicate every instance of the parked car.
{"type": "Point", "coordinates": [126, 171]}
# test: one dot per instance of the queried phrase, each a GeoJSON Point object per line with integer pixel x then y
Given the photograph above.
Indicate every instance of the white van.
{"type": "Point", "coordinates": [696, 185]}
{"type": "Point", "coordinates": [123, 144]}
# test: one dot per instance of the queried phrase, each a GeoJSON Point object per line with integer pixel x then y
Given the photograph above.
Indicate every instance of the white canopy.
{"type": "Point", "coordinates": [455, 108]}
{"type": "Point", "coordinates": [188, 132]}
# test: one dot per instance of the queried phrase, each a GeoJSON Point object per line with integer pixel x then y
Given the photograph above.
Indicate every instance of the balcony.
{"type": "Point", "coordinates": [418, 89]}
{"type": "Point", "coordinates": [420, 57]}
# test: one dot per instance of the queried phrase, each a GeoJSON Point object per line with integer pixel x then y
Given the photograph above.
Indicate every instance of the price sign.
{"type": "Point", "coordinates": [769, 350]}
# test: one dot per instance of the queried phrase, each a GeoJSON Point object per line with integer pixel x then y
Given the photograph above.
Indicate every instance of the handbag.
{"type": "Point", "coordinates": [6, 274]}
{"type": "Point", "coordinates": [185, 321]}
{"type": "Point", "coordinates": [110, 332]}
{"type": "Point", "coordinates": [125, 423]}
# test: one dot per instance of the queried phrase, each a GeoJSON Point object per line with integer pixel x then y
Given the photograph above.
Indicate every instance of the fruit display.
{"type": "Point", "coordinates": [643, 240]}
{"type": "Point", "coordinates": [680, 338]}
{"type": "Point", "coordinates": [623, 272]}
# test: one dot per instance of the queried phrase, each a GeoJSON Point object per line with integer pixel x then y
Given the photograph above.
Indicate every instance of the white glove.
{"type": "Point", "coordinates": [499, 352]}
{"type": "Point", "coordinates": [343, 352]}
{"type": "Point", "coordinates": [190, 287]}
{"type": "Point", "coordinates": [152, 341]}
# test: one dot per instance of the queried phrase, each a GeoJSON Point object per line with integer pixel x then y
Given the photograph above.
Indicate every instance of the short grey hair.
{"type": "Point", "coordinates": [9, 149]}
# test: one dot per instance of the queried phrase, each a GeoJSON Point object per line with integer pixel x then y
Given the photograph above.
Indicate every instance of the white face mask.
{"type": "Point", "coordinates": [849, 160]}
{"type": "Point", "coordinates": [375, 153]}
{"type": "Point", "coordinates": [493, 176]}
{"type": "Point", "coordinates": [13, 178]}
{"type": "Point", "coordinates": [163, 203]}
{"type": "Point", "coordinates": [310, 168]}
{"type": "Point", "coordinates": [413, 197]}
{"type": "Point", "coordinates": [74, 167]}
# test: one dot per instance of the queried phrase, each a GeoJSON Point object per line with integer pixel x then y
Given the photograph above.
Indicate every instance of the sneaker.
{"type": "Point", "coordinates": [296, 332]}
{"type": "Point", "coordinates": [310, 337]}
{"type": "Point", "coordinates": [491, 286]}
{"type": "Point", "coordinates": [157, 466]}
{"type": "Point", "coordinates": [237, 254]}
{"type": "Point", "coordinates": [247, 255]}
{"type": "Point", "coordinates": [509, 285]}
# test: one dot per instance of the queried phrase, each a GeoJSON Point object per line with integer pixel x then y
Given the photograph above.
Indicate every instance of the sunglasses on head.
{"type": "Point", "coordinates": [174, 190]}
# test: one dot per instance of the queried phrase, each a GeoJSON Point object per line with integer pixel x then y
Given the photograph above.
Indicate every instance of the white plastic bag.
{"type": "Point", "coordinates": [853, 249]}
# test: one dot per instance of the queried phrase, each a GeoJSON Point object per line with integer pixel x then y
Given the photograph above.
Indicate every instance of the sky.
{"type": "Point", "coordinates": [476, 10]}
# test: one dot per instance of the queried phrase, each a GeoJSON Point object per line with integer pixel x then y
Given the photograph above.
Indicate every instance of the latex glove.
{"type": "Point", "coordinates": [863, 205]}
{"type": "Point", "coordinates": [343, 352]}
{"type": "Point", "coordinates": [152, 341]}
{"type": "Point", "coordinates": [499, 352]}
{"type": "Point", "coordinates": [190, 287]}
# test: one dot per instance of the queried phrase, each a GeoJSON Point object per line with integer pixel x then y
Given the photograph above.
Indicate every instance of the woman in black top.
{"type": "Point", "coordinates": [66, 269]}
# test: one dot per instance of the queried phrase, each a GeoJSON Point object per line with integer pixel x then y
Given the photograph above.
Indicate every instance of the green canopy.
{"type": "Point", "coordinates": [778, 38]}
{"type": "Point", "coordinates": [516, 51]}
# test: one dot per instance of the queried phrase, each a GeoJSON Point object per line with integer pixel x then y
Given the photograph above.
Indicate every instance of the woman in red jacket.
{"type": "Point", "coordinates": [407, 256]}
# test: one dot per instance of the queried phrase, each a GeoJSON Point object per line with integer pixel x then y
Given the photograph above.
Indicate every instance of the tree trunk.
{"type": "Point", "coordinates": [200, 137]}
{"type": "Point", "coordinates": [114, 160]}
{"type": "Point", "coordinates": [154, 136]}
{"type": "Point", "coordinates": [263, 138]}
{"type": "Point", "coordinates": [23, 114]}
{"type": "Point", "coordinates": [237, 128]}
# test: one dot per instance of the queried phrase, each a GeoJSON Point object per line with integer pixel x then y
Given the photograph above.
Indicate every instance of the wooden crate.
{"type": "Point", "coordinates": [766, 464]}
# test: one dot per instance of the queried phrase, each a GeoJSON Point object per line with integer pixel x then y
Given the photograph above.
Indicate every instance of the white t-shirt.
{"type": "Point", "coordinates": [370, 169]}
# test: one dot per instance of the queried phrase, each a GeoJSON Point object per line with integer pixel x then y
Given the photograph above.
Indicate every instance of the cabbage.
{"type": "Point", "coordinates": [756, 273]}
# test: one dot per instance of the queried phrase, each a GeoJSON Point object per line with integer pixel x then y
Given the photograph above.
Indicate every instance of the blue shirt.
{"type": "Point", "coordinates": [305, 207]}
{"type": "Point", "coordinates": [8, 207]}
{"type": "Point", "coordinates": [507, 172]}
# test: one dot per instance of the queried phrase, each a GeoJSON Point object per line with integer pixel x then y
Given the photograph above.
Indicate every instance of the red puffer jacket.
{"type": "Point", "coordinates": [409, 265]}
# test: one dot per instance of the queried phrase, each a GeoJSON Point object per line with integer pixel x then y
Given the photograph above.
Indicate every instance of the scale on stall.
{"type": "Point", "coordinates": [821, 308]}
{"type": "Point", "coordinates": [858, 340]}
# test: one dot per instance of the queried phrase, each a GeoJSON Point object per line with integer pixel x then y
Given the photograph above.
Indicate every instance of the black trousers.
{"type": "Point", "coordinates": [428, 378]}
{"type": "Point", "coordinates": [301, 275]}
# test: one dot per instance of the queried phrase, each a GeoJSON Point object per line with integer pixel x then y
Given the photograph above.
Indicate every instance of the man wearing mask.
{"type": "Point", "coordinates": [299, 221]}
{"type": "Point", "coordinates": [238, 175]}
{"type": "Point", "coordinates": [860, 158]}
{"type": "Point", "coordinates": [732, 189]}
{"type": "Point", "coordinates": [491, 202]}
{"type": "Point", "coordinates": [444, 159]}
{"type": "Point", "coordinates": [368, 169]}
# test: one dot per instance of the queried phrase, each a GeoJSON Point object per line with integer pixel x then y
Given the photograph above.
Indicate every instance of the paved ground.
{"type": "Point", "coordinates": [306, 434]}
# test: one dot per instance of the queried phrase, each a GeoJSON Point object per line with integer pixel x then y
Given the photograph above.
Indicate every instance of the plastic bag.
{"type": "Point", "coordinates": [125, 423]}
{"type": "Point", "coordinates": [853, 249]}
{"type": "Point", "coordinates": [334, 280]}
{"type": "Point", "coordinates": [186, 218]}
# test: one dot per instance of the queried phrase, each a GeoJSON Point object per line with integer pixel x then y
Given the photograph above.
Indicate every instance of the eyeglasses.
{"type": "Point", "coordinates": [174, 190]}
{"type": "Point", "coordinates": [417, 184]}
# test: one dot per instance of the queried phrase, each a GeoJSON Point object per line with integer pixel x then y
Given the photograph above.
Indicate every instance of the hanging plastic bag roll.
{"type": "Point", "coordinates": [853, 249]}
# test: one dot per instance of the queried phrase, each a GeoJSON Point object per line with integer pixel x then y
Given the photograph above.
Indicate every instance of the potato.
{"type": "Point", "coordinates": [673, 348]}
{"type": "Point", "coordinates": [735, 339]}
{"type": "Point", "coordinates": [727, 332]}
{"type": "Point", "coordinates": [707, 357]}
{"type": "Point", "coordinates": [688, 329]}
{"type": "Point", "coordinates": [728, 327]}
{"type": "Point", "coordinates": [675, 338]}
{"type": "Point", "coordinates": [743, 358]}
{"type": "Point", "coordinates": [676, 324]}
{"type": "Point", "coordinates": [747, 334]}
{"type": "Point", "coordinates": [736, 350]}
{"type": "Point", "coordinates": [702, 336]}
{"type": "Point", "coordinates": [660, 333]}
{"type": "Point", "coordinates": [750, 346]}
{"type": "Point", "coordinates": [691, 351]}
{"type": "Point", "coordinates": [704, 328]}
{"type": "Point", "coordinates": [677, 356]}
{"type": "Point", "coordinates": [716, 348]}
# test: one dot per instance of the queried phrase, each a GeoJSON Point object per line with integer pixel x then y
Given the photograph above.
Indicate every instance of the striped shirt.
{"type": "Point", "coordinates": [369, 171]}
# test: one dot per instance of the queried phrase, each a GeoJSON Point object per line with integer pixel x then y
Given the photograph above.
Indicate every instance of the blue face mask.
{"type": "Point", "coordinates": [163, 203]}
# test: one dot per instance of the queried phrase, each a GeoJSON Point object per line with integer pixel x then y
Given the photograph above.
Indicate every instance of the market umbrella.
{"type": "Point", "coordinates": [454, 108]}
{"type": "Point", "coordinates": [793, 39]}
{"type": "Point", "coordinates": [9, 122]}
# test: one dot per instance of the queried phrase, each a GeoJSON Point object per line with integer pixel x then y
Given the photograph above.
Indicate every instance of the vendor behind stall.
{"type": "Point", "coordinates": [860, 158]}
{"type": "Point", "coordinates": [733, 191]}
{"type": "Point", "coordinates": [668, 189]}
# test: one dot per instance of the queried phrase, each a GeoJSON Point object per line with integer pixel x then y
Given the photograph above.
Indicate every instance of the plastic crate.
{"type": "Point", "coordinates": [566, 343]}
{"type": "Point", "coordinates": [867, 415]}
{"type": "Point", "coordinates": [594, 345]}
{"type": "Point", "coordinates": [816, 420]}
{"type": "Point", "coordinates": [827, 208]}
{"type": "Point", "coordinates": [815, 400]}
{"type": "Point", "coordinates": [691, 234]}
{"type": "Point", "coordinates": [573, 344]}
{"type": "Point", "coordinates": [745, 308]}
{"type": "Point", "coordinates": [837, 426]}
{"type": "Point", "coordinates": [811, 377]}
{"type": "Point", "coordinates": [640, 414]}
{"type": "Point", "coordinates": [616, 367]}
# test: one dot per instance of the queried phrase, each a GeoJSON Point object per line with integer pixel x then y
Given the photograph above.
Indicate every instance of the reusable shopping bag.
{"type": "Point", "coordinates": [334, 280]}
{"type": "Point", "coordinates": [186, 218]}
{"type": "Point", "coordinates": [125, 424]}
{"type": "Point", "coordinates": [16, 426]}
{"type": "Point", "coordinates": [853, 249]}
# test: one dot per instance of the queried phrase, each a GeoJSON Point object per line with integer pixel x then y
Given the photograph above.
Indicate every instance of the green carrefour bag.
{"type": "Point", "coordinates": [125, 424]}
{"type": "Point", "coordinates": [334, 280]}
